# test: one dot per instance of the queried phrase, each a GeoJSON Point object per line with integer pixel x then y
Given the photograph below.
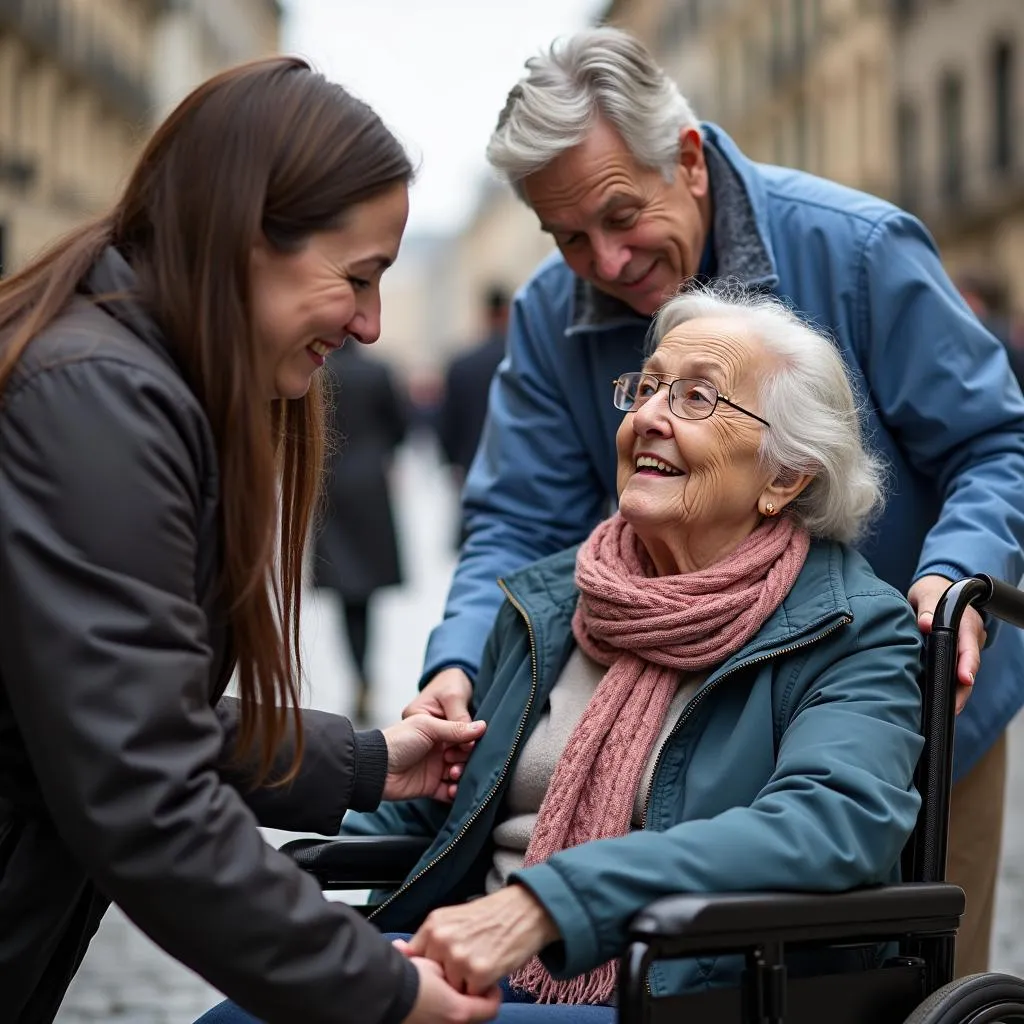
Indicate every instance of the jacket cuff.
{"type": "Point", "coordinates": [408, 990]}
{"type": "Point", "coordinates": [578, 951]}
{"type": "Point", "coordinates": [371, 769]}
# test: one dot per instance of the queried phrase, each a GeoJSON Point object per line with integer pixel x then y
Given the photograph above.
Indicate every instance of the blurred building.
{"type": "Point", "coordinates": [432, 298]}
{"type": "Point", "coordinates": [960, 114]}
{"type": "Point", "coordinates": [806, 83]}
{"type": "Point", "coordinates": [502, 244]}
{"type": "Point", "coordinates": [82, 83]}
{"type": "Point", "coordinates": [197, 38]}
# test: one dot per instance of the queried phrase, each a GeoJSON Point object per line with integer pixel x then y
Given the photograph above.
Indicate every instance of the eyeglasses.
{"type": "Point", "coordinates": [688, 398]}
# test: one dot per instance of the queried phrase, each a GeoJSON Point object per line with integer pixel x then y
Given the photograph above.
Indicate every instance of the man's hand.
{"type": "Point", "coordinates": [924, 596]}
{"type": "Point", "coordinates": [425, 756]}
{"type": "Point", "coordinates": [479, 942]}
{"type": "Point", "coordinates": [447, 695]}
{"type": "Point", "coordinates": [439, 1003]}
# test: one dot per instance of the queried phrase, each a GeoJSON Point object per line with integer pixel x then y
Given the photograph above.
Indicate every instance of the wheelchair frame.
{"type": "Point", "coordinates": [921, 914]}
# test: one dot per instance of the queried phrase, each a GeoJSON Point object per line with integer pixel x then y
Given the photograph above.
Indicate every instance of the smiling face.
{"type": "Point", "coordinates": [305, 303]}
{"type": "Point", "coordinates": [621, 225]}
{"type": "Point", "coordinates": [693, 489]}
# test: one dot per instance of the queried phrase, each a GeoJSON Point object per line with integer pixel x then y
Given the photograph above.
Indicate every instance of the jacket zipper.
{"type": "Point", "coordinates": [504, 771]}
{"type": "Point", "coordinates": [689, 710]}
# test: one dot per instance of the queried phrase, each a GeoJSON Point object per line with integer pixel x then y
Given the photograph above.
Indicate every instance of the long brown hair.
{"type": "Point", "coordinates": [269, 148]}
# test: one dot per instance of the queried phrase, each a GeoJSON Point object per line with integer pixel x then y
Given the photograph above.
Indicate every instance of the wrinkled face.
{"type": "Point", "coordinates": [621, 225]}
{"type": "Point", "coordinates": [691, 486]}
{"type": "Point", "coordinates": [306, 303]}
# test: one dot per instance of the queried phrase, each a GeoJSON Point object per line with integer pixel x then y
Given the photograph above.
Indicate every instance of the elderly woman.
{"type": "Point", "coordinates": [713, 693]}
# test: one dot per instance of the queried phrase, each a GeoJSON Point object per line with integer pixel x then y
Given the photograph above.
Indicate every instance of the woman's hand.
{"type": "Point", "coordinates": [478, 943]}
{"type": "Point", "coordinates": [425, 756]}
{"type": "Point", "coordinates": [439, 1003]}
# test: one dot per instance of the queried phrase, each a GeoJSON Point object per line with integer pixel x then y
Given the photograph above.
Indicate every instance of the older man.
{"type": "Point", "coordinates": [640, 198]}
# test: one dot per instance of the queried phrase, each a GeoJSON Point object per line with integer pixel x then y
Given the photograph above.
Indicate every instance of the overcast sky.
{"type": "Point", "coordinates": [437, 71]}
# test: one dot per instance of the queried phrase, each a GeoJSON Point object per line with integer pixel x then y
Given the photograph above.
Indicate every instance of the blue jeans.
{"type": "Point", "coordinates": [517, 1007]}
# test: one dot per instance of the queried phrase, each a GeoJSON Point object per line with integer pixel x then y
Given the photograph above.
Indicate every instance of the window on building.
{"type": "Point", "coordinates": [778, 43]}
{"type": "Point", "coordinates": [951, 136]}
{"type": "Point", "coordinates": [753, 70]}
{"type": "Point", "coordinates": [813, 21]}
{"type": "Point", "coordinates": [779, 143]}
{"type": "Point", "coordinates": [1003, 79]}
{"type": "Point", "coordinates": [724, 106]}
{"type": "Point", "coordinates": [908, 155]}
{"type": "Point", "coordinates": [675, 23]}
{"type": "Point", "coordinates": [798, 21]}
{"type": "Point", "coordinates": [801, 130]}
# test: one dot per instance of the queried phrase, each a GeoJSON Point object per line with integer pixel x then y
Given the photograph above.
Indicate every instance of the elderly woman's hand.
{"type": "Point", "coordinates": [924, 596]}
{"type": "Point", "coordinates": [479, 942]}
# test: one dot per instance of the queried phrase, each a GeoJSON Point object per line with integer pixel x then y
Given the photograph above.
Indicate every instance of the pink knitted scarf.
{"type": "Point", "coordinates": [647, 629]}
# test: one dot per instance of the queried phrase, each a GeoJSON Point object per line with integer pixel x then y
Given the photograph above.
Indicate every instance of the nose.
{"type": "Point", "coordinates": [609, 257]}
{"type": "Point", "coordinates": [365, 323]}
{"type": "Point", "coordinates": [653, 418]}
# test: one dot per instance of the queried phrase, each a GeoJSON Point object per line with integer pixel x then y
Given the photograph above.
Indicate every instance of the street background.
{"type": "Point", "coordinates": [126, 980]}
{"type": "Point", "coordinates": [920, 102]}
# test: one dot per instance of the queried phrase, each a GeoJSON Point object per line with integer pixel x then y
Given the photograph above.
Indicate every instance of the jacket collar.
{"type": "Point", "coordinates": [743, 249]}
{"type": "Point", "coordinates": [113, 286]}
{"type": "Point", "coordinates": [546, 593]}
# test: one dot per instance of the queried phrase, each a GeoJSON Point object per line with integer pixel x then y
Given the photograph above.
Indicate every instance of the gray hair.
{"type": "Point", "coordinates": [598, 72]}
{"type": "Point", "coordinates": [810, 403]}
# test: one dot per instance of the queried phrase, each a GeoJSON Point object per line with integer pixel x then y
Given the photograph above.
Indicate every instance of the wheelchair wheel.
{"type": "Point", "coordinates": [976, 999]}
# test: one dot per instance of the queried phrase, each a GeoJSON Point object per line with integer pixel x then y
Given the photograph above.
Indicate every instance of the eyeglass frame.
{"type": "Point", "coordinates": [663, 378]}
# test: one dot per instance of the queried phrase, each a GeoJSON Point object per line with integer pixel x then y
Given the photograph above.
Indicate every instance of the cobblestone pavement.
{"type": "Point", "coordinates": [125, 979]}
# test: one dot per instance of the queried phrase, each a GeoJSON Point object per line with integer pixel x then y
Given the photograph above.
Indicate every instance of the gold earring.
{"type": "Point", "coordinates": [769, 509]}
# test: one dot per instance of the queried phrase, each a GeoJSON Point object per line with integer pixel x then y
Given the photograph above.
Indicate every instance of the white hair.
{"type": "Point", "coordinates": [810, 402]}
{"type": "Point", "coordinates": [600, 72]}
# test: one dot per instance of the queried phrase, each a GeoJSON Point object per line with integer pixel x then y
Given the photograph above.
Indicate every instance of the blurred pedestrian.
{"type": "Point", "coordinates": [986, 296]}
{"type": "Point", "coordinates": [640, 198]}
{"type": "Point", "coordinates": [356, 551]}
{"type": "Point", "coordinates": [460, 420]}
{"type": "Point", "coordinates": [160, 452]}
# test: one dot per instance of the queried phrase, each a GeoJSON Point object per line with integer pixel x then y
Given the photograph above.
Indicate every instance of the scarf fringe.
{"type": "Point", "coordinates": [591, 989]}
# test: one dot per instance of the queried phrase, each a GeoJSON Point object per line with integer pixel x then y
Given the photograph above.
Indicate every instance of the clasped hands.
{"type": "Point", "coordinates": [460, 952]}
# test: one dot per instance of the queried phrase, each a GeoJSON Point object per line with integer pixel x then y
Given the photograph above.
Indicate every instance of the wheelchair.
{"type": "Point", "coordinates": [918, 918]}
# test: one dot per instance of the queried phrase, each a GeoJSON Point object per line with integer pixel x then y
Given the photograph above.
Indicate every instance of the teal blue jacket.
{"type": "Point", "coordinates": [790, 769]}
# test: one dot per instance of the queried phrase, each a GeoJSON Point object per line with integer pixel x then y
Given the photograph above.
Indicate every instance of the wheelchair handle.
{"type": "Point", "coordinates": [1001, 601]}
{"type": "Point", "coordinates": [925, 858]}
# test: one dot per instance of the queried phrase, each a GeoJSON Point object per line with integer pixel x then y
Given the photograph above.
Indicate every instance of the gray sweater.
{"type": "Point", "coordinates": [536, 766]}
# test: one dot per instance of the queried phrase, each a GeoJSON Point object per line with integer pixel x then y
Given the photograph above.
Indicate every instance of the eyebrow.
{"type": "Point", "coordinates": [380, 261]}
{"type": "Point", "coordinates": [610, 205]}
{"type": "Point", "coordinates": [699, 370]}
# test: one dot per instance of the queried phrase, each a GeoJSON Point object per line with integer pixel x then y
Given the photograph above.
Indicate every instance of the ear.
{"type": "Point", "coordinates": [692, 165]}
{"type": "Point", "coordinates": [781, 491]}
{"type": "Point", "coordinates": [262, 251]}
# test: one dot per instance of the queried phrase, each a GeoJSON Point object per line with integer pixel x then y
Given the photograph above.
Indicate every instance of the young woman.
{"type": "Point", "coordinates": [160, 453]}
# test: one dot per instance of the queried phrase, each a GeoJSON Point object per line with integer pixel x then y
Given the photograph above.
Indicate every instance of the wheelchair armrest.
{"type": "Point", "coordinates": [690, 925]}
{"type": "Point", "coordinates": [358, 862]}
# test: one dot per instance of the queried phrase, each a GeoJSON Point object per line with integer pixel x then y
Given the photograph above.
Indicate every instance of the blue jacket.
{"type": "Point", "coordinates": [791, 768]}
{"type": "Point", "coordinates": [941, 405]}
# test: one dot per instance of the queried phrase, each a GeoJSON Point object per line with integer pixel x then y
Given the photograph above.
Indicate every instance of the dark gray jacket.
{"type": "Point", "coordinates": [114, 737]}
